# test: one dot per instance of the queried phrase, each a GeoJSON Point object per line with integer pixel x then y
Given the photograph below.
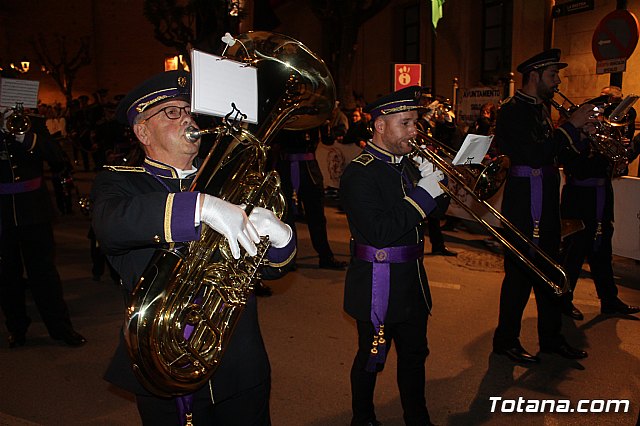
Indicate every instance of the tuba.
{"type": "Point", "coordinates": [185, 306]}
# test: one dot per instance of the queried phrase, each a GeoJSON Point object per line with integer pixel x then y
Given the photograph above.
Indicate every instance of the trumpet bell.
{"type": "Point", "coordinates": [18, 123]}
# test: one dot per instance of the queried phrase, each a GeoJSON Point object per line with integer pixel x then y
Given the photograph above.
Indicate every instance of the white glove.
{"type": "Point", "coordinates": [232, 222]}
{"type": "Point", "coordinates": [420, 161]}
{"type": "Point", "coordinates": [430, 178]}
{"type": "Point", "coordinates": [268, 224]}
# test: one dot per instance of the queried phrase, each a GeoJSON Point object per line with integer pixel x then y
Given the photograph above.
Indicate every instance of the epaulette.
{"type": "Point", "coordinates": [364, 158]}
{"type": "Point", "coordinates": [126, 169]}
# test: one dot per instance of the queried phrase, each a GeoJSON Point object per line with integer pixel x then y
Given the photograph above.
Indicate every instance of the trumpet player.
{"type": "Point", "coordinates": [140, 209]}
{"type": "Point", "coordinates": [386, 200]}
{"type": "Point", "coordinates": [531, 201]}
{"type": "Point", "coordinates": [26, 232]}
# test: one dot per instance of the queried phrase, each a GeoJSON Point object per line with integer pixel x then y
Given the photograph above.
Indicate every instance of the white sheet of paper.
{"type": "Point", "coordinates": [473, 149]}
{"type": "Point", "coordinates": [14, 91]}
{"type": "Point", "coordinates": [218, 82]}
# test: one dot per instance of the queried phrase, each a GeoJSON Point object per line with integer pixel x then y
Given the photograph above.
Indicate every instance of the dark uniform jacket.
{"type": "Point", "coordinates": [298, 142]}
{"type": "Point", "coordinates": [525, 133]}
{"type": "Point", "coordinates": [139, 209]}
{"type": "Point", "coordinates": [21, 165]}
{"type": "Point", "coordinates": [385, 209]}
{"type": "Point", "coordinates": [579, 202]}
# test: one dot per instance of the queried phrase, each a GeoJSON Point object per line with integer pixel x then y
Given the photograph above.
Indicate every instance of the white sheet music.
{"type": "Point", "coordinates": [218, 82]}
{"type": "Point", "coordinates": [14, 91]}
{"type": "Point", "coordinates": [473, 149]}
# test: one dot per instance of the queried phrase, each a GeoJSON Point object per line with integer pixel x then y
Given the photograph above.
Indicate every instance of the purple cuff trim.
{"type": "Point", "coordinates": [279, 255]}
{"type": "Point", "coordinates": [20, 187]}
{"type": "Point", "coordinates": [422, 198]}
{"type": "Point", "coordinates": [183, 214]}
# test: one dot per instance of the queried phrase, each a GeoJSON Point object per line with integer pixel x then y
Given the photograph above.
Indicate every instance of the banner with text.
{"type": "Point", "coordinates": [472, 99]}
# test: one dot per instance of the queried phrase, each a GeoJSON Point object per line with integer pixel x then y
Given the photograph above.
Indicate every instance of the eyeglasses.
{"type": "Point", "coordinates": [172, 113]}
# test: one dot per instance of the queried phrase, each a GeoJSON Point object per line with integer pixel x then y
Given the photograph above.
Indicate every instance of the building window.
{"type": "Point", "coordinates": [411, 33]}
{"type": "Point", "coordinates": [497, 19]}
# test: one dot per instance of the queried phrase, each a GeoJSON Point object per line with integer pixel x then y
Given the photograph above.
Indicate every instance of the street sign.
{"type": "Point", "coordinates": [406, 75]}
{"type": "Point", "coordinates": [611, 65]}
{"type": "Point", "coordinates": [570, 7]}
{"type": "Point", "coordinates": [616, 36]}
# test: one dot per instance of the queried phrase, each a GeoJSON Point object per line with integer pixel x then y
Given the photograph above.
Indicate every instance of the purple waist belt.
{"type": "Point", "coordinates": [295, 167]}
{"type": "Point", "coordinates": [380, 282]}
{"type": "Point", "coordinates": [599, 185]}
{"type": "Point", "coordinates": [20, 187]}
{"type": "Point", "coordinates": [535, 181]}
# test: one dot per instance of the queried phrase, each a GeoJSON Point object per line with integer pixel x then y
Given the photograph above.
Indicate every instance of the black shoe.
{"type": "Point", "coordinates": [617, 306]}
{"type": "Point", "coordinates": [332, 263]}
{"type": "Point", "coordinates": [518, 354]}
{"type": "Point", "coordinates": [572, 312]}
{"type": "Point", "coordinates": [566, 351]}
{"type": "Point", "coordinates": [70, 337]}
{"type": "Point", "coordinates": [17, 339]}
{"type": "Point", "coordinates": [443, 252]}
{"type": "Point", "coordinates": [262, 290]}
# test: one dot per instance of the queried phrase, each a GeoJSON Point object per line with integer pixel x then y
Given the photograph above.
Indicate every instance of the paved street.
{"type": "Point", "coordinates": [311, 344]}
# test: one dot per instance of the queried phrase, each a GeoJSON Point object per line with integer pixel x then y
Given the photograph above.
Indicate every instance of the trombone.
{"type": "Point", "coordinates": [459, 178]}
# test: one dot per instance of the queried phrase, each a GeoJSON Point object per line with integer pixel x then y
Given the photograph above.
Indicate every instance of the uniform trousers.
{"type": "Point", "coordinates": [311, 196]}
{"type": "Point", "coordinates": [410, 339]}
{"type": "Point", "coordinates": [249, 408]}
{"type": "Point", "coordinates": [514, 295]}
{"type": "Point", "coordinates": [580, 246]}
{"type": "Point", "coordinates": [31, 248]}
{"type": "Point", "coordinates": [436, 238]}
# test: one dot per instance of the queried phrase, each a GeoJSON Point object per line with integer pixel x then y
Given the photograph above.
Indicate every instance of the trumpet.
{"type": "Point", "coordinates": [461, 179]}
{"type": "Point", "coordinates": [18, 123]}
{"type": "Point", "coordinates": [608, 138]}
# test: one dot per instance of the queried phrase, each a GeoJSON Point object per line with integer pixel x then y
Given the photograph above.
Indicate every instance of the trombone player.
{"type": "Point", "coordinates": [531, 201]}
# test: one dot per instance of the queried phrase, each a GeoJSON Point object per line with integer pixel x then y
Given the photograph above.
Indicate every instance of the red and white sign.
{"type": "Point", "coordinates": [611, 65]}
{"type": "Point", "coordinates": [406, 75]}
{"type": "Point", "coordinates": [616, 36]}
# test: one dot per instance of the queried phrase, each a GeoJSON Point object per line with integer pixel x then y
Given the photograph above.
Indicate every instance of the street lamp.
{"type": "Point", "coordinates": [23, 67]}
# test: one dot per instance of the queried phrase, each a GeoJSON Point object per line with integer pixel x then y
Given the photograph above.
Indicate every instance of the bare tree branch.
{"type": "Point", "coordinates": [62, 69]}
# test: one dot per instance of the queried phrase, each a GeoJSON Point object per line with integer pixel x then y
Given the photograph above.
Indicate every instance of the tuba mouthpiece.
{"type": "Point", "coordinates": [192, 134]}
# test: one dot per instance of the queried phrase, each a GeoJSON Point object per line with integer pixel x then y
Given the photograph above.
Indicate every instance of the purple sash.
{"type": "Point", "coordinates": [599, 185]}
{"type": "Point", "coordinates": [380, 282]}
{"type": "Point", "coordinates": [295, 160]}
{"type": "Point", "coordinates": [535, 180]}
{"type": "Point", "coordinates": [20, 187]}
{"type": "Point", "coordinates": [185, 402]}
